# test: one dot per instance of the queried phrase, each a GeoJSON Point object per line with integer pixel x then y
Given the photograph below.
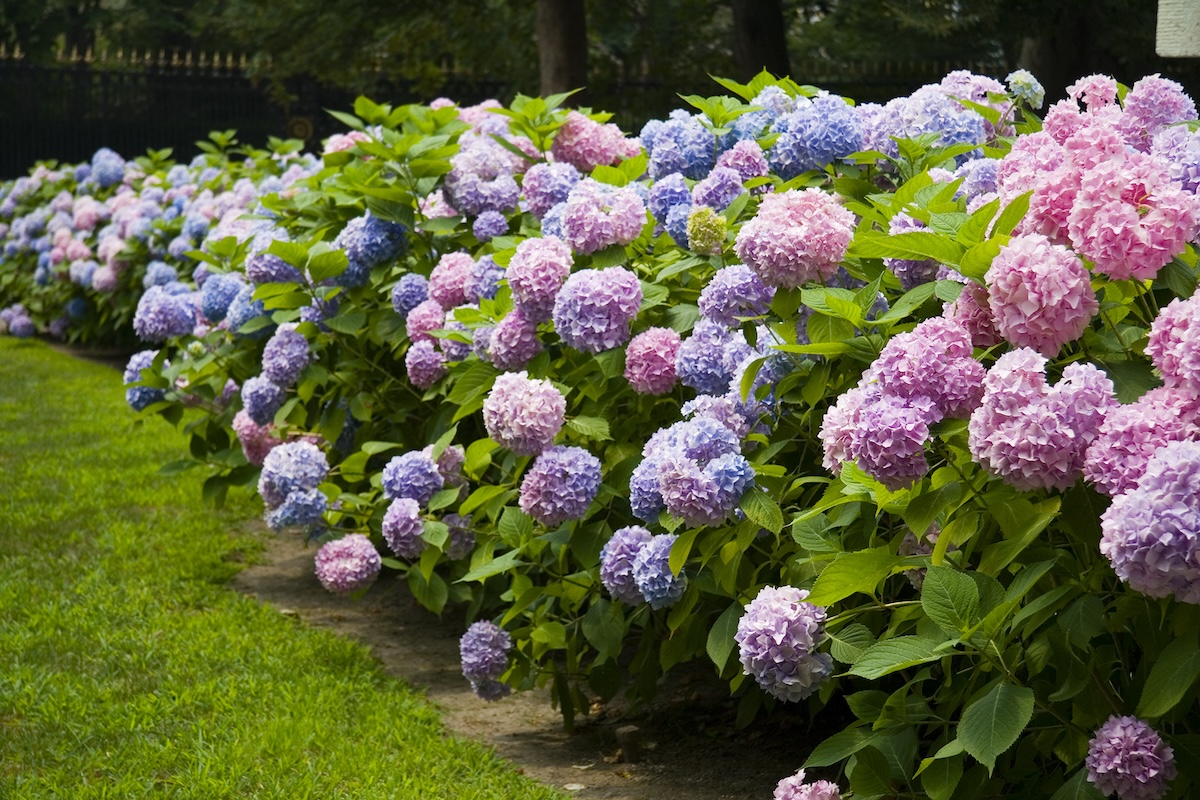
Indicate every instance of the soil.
{"type": "Point", "coordinates": [689, 748]}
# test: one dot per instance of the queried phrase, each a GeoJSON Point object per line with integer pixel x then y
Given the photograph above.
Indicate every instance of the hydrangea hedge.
{"type": "Point", "coordinates": [888, 411]}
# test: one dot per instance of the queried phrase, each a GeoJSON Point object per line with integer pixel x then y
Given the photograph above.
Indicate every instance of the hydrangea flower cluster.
{"type": "Point", "coordinates": [1174, 342]}
{"type": "Point", "coordinates": [484, 652]}
{"type": "Point", "coordinates": [910, 272]}
{"type": "Point", "coordinates": [256, 440]}
{"type": "Point", "coordinates": [650, 361]}
{"type": "Point", "coordinates": [348, 564]}
{"type": "Point", "coordinates": [536, 273]}
{"type": "Point", "coordinates": [402, 528]}
{"type": "Point", "coordinates": [560, 485]}
{"type": "Point", "coordinates": [216, 295]}
{"type": "Point", "coordinates": [586, 144]}
{"type": "Point", "coordinates": [452, 281]}
{"type": "Point", "coordinates": [1040, 294]}
{"type": "Point", "coordinates": [735, 291]}
{"type": "Point", "coordinates": [651, 571]}
{"type": "Point", "coordinates": [1032, 435]}
{"type": "Point", "coordinates": [777, 639]}
{"type": "Point", "coordinates": [793, 787]}
{"type": "Point", "coordinates": [705, 231]}
{"type": "Point", "coordinates": [681, 144]}
{"type": "Point", "coordinates": [261, 398]}
{"type": "Point", "coordinates": [1152, 104]}
{"type": "Point", "coordinates": [413, 474]}
{"type": "Point", "coordinates": [1151, 534]}
{"type": "Point", "coordinates": [288, 484]}
{"type": "Point", "coordinates": [719, 189]}
{"type": "Point", "coordinates": [161, 315]}
{"type": "Point", "coordinates": [796, 237]}
{"type": "Point", "coordinates": [817, 133]}
{"type": "Point", "coordinates": [1129, 758]}
{"type": "Point", "coordinates": [424, 363]}
{"type": "Point", "coordinates": [595, 308]}
{"type": "Point", "coordinates": [546, 185]}
{"type": "Point", "coordinates": [919, 378]}
{"type": "Point", "coordinates": [523, 414]}
{"type": "Point", "coordinates": [409, 292]}
{"type": "Point", "coordinates": [598, 215]}
{"type": "Point", "coordinates": [1026, 88]}
{"type": "Point", "coordinates": [138, 397]}
{"type": "Point", "coordinates": [1131, 434]}
{"type": "Point", "coordinates": [285, 356]}
{"type": "Point", "coordinates": [616, 563]}
{"type": "Point", "coordinates": [513, 342]}
{"type": "Point", "coordinates": [709, 357]}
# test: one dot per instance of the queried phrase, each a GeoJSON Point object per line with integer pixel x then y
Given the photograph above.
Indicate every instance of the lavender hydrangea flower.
{"type": "Point", "coordinates": [888, 441]}
{"type": "Point", "coordinates": [599, 215]}
{"type": "Point", "coordinates": [138, 397]}
{"type": "Point", "coordinates": [793, 787]}
{"type": "Point", "coordinates": [536, 274]}
{"type": "Point", "coordinates": [934, 360]}
{"type": "Point", "coordinates": [560, 485]}
{"type": "Point", "coordinates": [513, 341]}
{"type": "Point", "coordinates": [679, 144]}
{"type": "Point", "coordinates": [425, 364]}
{"type": "Point", "coordinates": [1174, 342]}
{"type": "Point", "coordinates": [242, 310]}
{"type": "Point", "coordinates": [487, 276]}
{"type": "Point", "coordinates": [1151, 534]}
{"type": "Point", "coordinates": [1128, 757]}
{"type": "Point", "coordinates": [814, 135]}
{"type": "Point", "coordinates": [796, 237]}
{"type": "Point", "coordinates": [159, 273]}
{"type": "Point", "coordinates": [777, 638]}
{"type": "Point", "coordinates": [264, 267]}
{"type": "Point", "coordinates": [285, 356]}
{"type": "Point", "coordinates": [489, 225]}
{"type": "Point", "coordinates": [616, 563]}
{"type": "Point", "coordinates": [348, 564]}
{"type": "Point", "coordinates": [676, 224]}
{"type": "Point", "coordinates": [161, 316]}
{"type": "Point", "coordinates": [545, 185]}
{"type": "Point", "coordinates": [369, 240]}
{"type": "Point", "coordinates": [595, 308]}
{"type": "Point", "coordinates": [1130, 435]}
{"type": "Point", "coordinates": [735, 291]}
{"type": "Point", "coordinates": [452, 281]}
{"type": "Point", "coordinates": [708, 358]}
{"type": "Point", "coordinates": [462, 538]}
{"type": "Point", "coordinates": [427, 316]}
{"type": "Point", "coordinates": [291, 467]}
{"type": "Point", "coordinates": [722, 186]}
{"type": "Point", "coordinates": [217, 293]}
{"type": "Point", "coordinates": [409, 292]}
{"type": "Point", "coordinates": [300, 509]}
{"type": "Point", "coordinates": [658, 585]}
{"type": "Point", "coordinates": [650, 361]}
{"type": "Point", "coordinates": [413, 474]}
{"type": "Point", "coordinates": [402, 528]}
{"type": "Point", "coordinates": [747, 159]}
{"type": "Point", "coordinates": [667, 193]}
{"type": "Point", "coordinates": [484, 652]}
{"type": "Point", "coordinates": [523, 414]}
{"type": "Point", "coordinates": [262, 398]}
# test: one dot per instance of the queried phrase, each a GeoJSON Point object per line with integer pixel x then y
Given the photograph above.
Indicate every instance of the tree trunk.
{"type": "Point", "coordinates": [759, 38]}
{"type": "Point", "coordinates": [562, 46]}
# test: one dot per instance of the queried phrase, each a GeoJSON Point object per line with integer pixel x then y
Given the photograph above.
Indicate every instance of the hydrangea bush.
{"type": "Point", "coordinates": [887, 412]}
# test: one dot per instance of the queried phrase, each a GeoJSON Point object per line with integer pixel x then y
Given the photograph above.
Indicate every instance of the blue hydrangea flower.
{"type": "Point", "coordinates": [285, 356]}
{"type": "Point", "coordinates": [676, 224]}
{"type": "Point", "coordinates": [552, 222]}
{"type": "Point", "coordinates": [289, 468]}
{"type": "Point", "coordinates": [195, 227]}
{"type": "Point", "coordinates": [217, 294]}
{"type": "Point", "coordinates": [488, 275]}
{"type": "Point", "coordinates": [616, 563]}
{"type": "Point", "coordinates": [707, 359]}
{"type": "Point", "coordinates": [681, 144]}
{"type": "Point", "coordinates": [76, 307]}
{"type": "Point", "coordinates": [242, 309]}
{"type": "Point", "coordinates": [489, 225]}
{"type": "Point", "coordinates": [159, 273]}
{"type": "Point", "coordinates": [161, 316]}
{"type": "Point", "coordinates": [409, 292]}
{"type": "Point", "coordinates": [370, 240]}
{"type": "Point", "coordinates": [262, 398]}
{"type": "Point", "coordinates": [667, 193]}
{"type": "Point", "coordinates": [413, 475]}
{"type": "Point", "coordinates": [484, 652]}
{"type": "Point", "coordinates": [735, 291]}
{"type": "Point", "coordinates": [545, 185]}
{"type": "Point", "coordinates": [659, 586]}
{"type": "Point", "coordinates": [814, 135]}
{"type": "Point", "coordinates": [264, 267]}
{"type": "Point", "coordinates": [139, 397]}
{"type": "Point", "coordinates": [300, 509]}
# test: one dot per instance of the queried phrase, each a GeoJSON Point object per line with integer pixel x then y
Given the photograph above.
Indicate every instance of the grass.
{"type": "Point", "coordinates": [128, 670]}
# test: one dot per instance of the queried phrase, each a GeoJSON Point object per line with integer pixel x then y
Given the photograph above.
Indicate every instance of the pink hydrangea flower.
{"type": "Point", "coordinates": [1131, 434]}
{"type": "Point", "coordinates": [598, 215]}
{"type": "Point", "coordinates": [536, 273]}
{"type": "Point", "coordinates": [1040, 294]}
{"type": "Point", "coordinates": [650, 361]}
{"type": "Point", "coordinates": [796, 237]}
{"type": "Point", "coordinates": [452, 281]}
{"type": "Point", "coordinates": [344, 141]}
{"type": "Point", "coordinates": [523, 414]}
{"type": "Point", "coordinates": [427, 316]}
{"type": "Point", "coordinates": [1174, 342]}
{"type": "Point", "coordinates": [586, 144]}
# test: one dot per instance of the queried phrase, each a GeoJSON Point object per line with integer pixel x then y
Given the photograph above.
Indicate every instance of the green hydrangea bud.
{"type": "Point", "coordinates": [706, 231]}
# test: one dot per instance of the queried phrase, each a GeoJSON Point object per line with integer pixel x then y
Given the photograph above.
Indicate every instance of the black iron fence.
{"type": "Point", "coordinates": [133, 101]}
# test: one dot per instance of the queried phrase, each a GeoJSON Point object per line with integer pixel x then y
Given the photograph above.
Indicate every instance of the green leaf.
{"type": "Point", "coordinates": [613, 256]}
{"type": "Point", "coordinates": [951, 599]}
{"type": "Point", "coordinates": [872, 775]}
{"type": "Point", "coordinates": [849, 643]}
{"type": "Point", "coordinates": [475, 382]}
{"type": "Point", "coordinates": [978, 260]}
{"type": "Point", "coordinates": [553, 634]}
{"type": "Point", "coordinates": [176, 467]}
{"type": "Point", "coordinates": [825, 328]}
{"type": "Point", "coordinates": [992, 723]}
{"type": "Point", "coordinates": [371, 448]}
{"type": "Point", "coordinates": [604, 627]}
{"type": "Point", "coordinates": [1013, 213]}
{"type": "Point", "coordinates": [914, 244]}
{"type": "Point", "coordinates": [909, 302]}
{"type": "Point", "coordinates": [1171, 677]}
{"type": "Point", "coordinates": [1131, 379]}
{"type": "Point", "coordinates": [682, 549]}
{"type": "Point", "coordinates": [940, 778]}
{"type": "Point", "coordinates": [1078, 788]}
{"type": "Point", "coordinates": [610, 175]}
{"type": "Point", "coordinates": [590, 427]}
{"type": "Point", "coordinates": [432, 593]}
{"type": "Point", "coordinates": [1179, 277]}
{"type": "Point", "coordinates": [443, 499]}
{"type": "Point", "coordinates": [720, 637]}
{"type": "Point", "coordinates": [1083, 620]}
{"type": "Point", "coordinates": [349, 323]}
{"type": "Point", "coordinates": [479, 497]}
{"type": "Point", "coordinates": [891, 655]}
{"type": "Point", "coordinates": [839, 747]}
{"type": "Point", "coordinates": [515, 526]}
{"type": "Point", "coordinates": [293, 254]}
{"type": "Point", "coordinates": [762, 509]}
{"type": "Point", "coordinates": [853, 572]}
{"type": "Point", "coordinates": [924, 509]}
{"type": "Point", "coordinates": [329, 264]}
{"type": "Point", "coordinates": [494, 567]}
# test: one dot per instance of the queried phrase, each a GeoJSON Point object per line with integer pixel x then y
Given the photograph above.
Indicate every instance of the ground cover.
{"type": "Point", "coordinates": [128, 670]}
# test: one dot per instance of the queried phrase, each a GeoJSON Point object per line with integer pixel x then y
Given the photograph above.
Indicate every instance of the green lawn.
{"type": "Point", "coordinates": [128, 670]}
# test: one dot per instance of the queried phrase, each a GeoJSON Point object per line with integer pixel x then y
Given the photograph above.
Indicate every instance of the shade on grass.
{"type": "Point", "coordinates": [128, 670]}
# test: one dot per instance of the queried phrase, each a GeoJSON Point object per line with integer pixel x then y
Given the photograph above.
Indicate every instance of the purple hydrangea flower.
{"type": "Point", "coordinates": [1174, 343]}
{"type": "Point", "coordinates": [707, 359]}
{"type": "Point", "coordinates": [1128, 757]}
{"type": "Point", "coordinates": [138, 397]}
{"type": "Point", "coordinates": [487, 274]}
{"type": "Point", "coordinates": [242, 310]}
{"type": "Point", "coordinates": [409, 292]}
{"type": "Point", "coordinates": [595, 308]}
{"type": "Point", "coordinates": [484, 652]}
{"type": "Point", "coordinates": [413, 474]}
{"type": "Point", "coordinates": [348, 564]}
{"type": "Point", "coordinates": [793, 787]}
{"type": "Point", "coordinates": [546, 185]}
{"type": "Point", "coordinates": [616, 563]}
{"type": "Point", "coordinates": [747, 159]}
{"type": "Point", "coordinates": [1151, 534]}
{"type": "Point", "coordinates": [777, 638]}
{"type": "Point", "coordinates": [796, 237]}
{"type": "Point", "coordinates": [523, 414]}
{"type": "Point", "coordinates": [489, 225]}
{"type": "Point", "coordinates": [291, 467]}
{"type": "Point", "coordinates": [1153, 103]}
{"type": "Point", "coordinates": [722, 186]}
{"type": "Point", "coordinates": [735, 291]}
{"type": "Point", "coordinates": [262, 398]}
{"type": "Point", "coordinates": [667, 193]}
{"type": "Point", "coordinates": [560, 485]}
{"type": "Point", "coordinates": [285, 356]}
{"type": "Point", "coordinates": [911, 273]}
{"type": "Point", "coordinates": [473, 194]}
{"type": "Point", "coordinates": [424, 363]}
{"type": "Point", "coordinates": [161, 316]}
{"type": "Point", "coordinates": [814, 135]}
{"type": "Point", "coordinates": [369, 240]}
{"type": "Point", "coordinates": [689, 493]}
{"type": "Point", "coordinates": [598, 215]}
{"type": "Point", "coordinates": [645, 498]}
{"type": "Point", "coordinates": [300, 509]}
{"type": "Point", "coordinates": [888, 441]}
{"type": "Point", "coordinates": [659, 586]}
{"type": "Point", "coordinates": [536, 274]}
{"type": "Point", "coordinates": [159, 273]}
{"type": "Point", "coordinates": [452, 281]}
{"type": "Point", "coordinates": [513, 341]}
{"type": "Point", "coordinates": [933, 360]}
{"type": "Point", "coordinates": [676, 224]}
{"type": "Point", "coordinates": [650, 361]}
{"type": "Point", "coordinates": [679, 144]}
{"type": "Point", "coordinates": [217, 293]}
{"type": "Point", "coordinates": [402, 528]}
{"type": "Point", "coordinates": [264, 267]}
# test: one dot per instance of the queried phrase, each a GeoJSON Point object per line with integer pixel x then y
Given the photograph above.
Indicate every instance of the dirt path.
{"type": "Point", "coordinates": [690, 750]}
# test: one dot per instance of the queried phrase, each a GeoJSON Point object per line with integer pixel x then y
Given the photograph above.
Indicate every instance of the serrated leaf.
{"type": "Point", "coordinates": [872, 775]}
{"type": "Point", "coordinates": [681, 550]}
{"type": "Point", "coordinates": [941, 777]}
{"type": "Point", "coordinates": [604, 627]}
{"type": "Point", "coordinates": [348, 323]}
{"type": "Point", "coordinates": [494, 567]}
{"type": "Point", "coordinates": [329, 264]}
{"type": "Point", "coordinates": [371, 448]}
{"type": "Point", "coordinates": [992, 723]}
{"type": "Point", "coordinates": [591, 427]}
{"type": "Point", "coordinates": [1078, 788]}
{"type": "Point", "coordinates": [849, 643]}
{"type": "Point", "coordinates": [839, 747]}
{"type": "Point", "coordinates": [721, 643]}
{"type": "Point", "coordinates": [951, 599]}
{"type": "Point", "coordinates": [515, 526]}
{"type": "Point", "coordinates": [1171, 678]}
{"type": "Point", "coordinates": [613, 256]}
{"type": "Point", "coordinates": [852, 573]}
{"type": "Point", "coordinates": [479, 497]}
{"type": "Point", "coordinates": [892, 655]}
{"type": "Point", "coordinates": [762, 509]}
{"type": "Point", "coordinates": [1012, 214]}
{"type": "Point", "coordinates": [443, 499]}
{"type": "Point", "coordinates": [913, 244]}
